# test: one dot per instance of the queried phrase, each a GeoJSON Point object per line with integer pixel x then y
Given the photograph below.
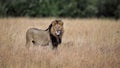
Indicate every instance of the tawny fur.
{"type": "Point", "coordinates": [46, 37]}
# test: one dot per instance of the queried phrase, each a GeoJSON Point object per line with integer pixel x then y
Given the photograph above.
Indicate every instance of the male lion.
{"type": "Point", "coordinates": [52, 36]}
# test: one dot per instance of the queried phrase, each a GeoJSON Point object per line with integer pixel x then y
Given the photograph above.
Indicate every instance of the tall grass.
{"type": "Point", "coordinates": [87, 43]}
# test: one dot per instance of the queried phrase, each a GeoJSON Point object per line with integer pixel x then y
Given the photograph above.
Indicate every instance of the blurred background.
{"type": "Point", "coordinates": [60, 8]}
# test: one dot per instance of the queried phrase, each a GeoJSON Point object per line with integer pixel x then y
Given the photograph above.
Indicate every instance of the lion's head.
{"type": "Point", "coordinates": [57, 28]}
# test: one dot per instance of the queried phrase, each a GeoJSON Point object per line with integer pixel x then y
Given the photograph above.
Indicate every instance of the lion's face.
{"type": "Point", "coordinates": [57, 27]}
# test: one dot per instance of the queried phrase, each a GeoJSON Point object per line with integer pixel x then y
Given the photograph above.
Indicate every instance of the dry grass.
{"type": "Point", "coordinates": [87, 43]}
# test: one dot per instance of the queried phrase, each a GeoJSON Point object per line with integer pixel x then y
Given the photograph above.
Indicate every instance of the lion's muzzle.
{"type": "Point", "coordinates": [58, 32]}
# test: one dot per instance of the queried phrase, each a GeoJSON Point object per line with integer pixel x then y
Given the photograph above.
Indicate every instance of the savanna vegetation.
{"type": "Point", "coordinates": [87, 43]}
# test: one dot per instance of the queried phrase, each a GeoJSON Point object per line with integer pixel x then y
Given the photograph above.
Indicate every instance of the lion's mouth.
{"type": "Point", "coordinates": [58, 32]}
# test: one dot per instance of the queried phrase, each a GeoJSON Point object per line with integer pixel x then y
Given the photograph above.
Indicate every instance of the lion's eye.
{"type": "Point", "coordinates": [55, 27]}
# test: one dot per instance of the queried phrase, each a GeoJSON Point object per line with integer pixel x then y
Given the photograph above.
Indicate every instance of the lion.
{"type": "Point", "coordinates": [52, 36]}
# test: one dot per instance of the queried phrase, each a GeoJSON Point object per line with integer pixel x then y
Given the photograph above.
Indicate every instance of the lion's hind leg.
{"type": "Point", "coordinates": [28, 41]}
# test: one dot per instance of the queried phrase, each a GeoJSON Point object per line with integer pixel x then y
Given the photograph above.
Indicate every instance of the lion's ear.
{"type": "Point", "coordinates": [61, 23]}
{"type": "Point", "coordinates": [53, 23]}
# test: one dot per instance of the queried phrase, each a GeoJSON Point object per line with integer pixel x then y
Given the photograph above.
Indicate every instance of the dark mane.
{"type": "Point", "coordinates": [49, 28]}
{"type": "Point", "coordinates": [55, 40]}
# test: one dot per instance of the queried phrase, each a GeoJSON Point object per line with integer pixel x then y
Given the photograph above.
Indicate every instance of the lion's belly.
{"type": "Point", "coordinates": [41, 38]}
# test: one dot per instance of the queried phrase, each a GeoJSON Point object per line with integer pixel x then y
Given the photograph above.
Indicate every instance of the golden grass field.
{"type": "Point", "coordinates": [87, 43]}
